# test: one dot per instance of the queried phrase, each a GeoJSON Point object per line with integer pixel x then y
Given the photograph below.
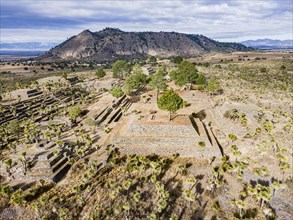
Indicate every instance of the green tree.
{"type": "Point", "coordinates": [117, 92]}
{"type": "Point", "coordinates": [158, 82]}
{"type": "Point", "coordinates": [170, 101]}
{"type": "Point", "coordinates": [121, 69]}
{"type": "Point", "coordinates": [201, 79]}
{"type": "Point", "coordinates": [186, 73]}
{"type": "Point", "coordinates": [177, 60]}
{"type": "Point", "coordinates": [213, 85]}
{"type": "Point", "coordinates": [100, 73]}
{"type": "Point", "coordinates": [13, 127]}
{"type": "Point", "coordinates": [152, 60]}
{"type": "Point", "coordinates": [74, 112]}
{"type": "Point", "coordinates": [135, 80]}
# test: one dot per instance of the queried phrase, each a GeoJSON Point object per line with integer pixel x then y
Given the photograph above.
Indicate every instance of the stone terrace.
{"type": "Point", "coordinates": [156, 134]}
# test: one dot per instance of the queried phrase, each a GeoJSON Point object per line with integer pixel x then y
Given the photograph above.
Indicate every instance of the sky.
{"type": "Point", "coordinates": [53, 21]}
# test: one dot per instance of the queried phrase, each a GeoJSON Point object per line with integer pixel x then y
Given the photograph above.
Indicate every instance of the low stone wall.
{"type": "Point", "coordinates": [159, 142]}
{"type": "Point", "coordinates": [183, 151]}
{"type": "Point", "coordinates": [145, 130]}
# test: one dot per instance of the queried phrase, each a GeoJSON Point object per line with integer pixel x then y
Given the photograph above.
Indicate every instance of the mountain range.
{"type": "Point", "coordinates": [111, 44]}
{"type": "Point", "coordinates": [267, 44]}
{"type": "Point", "coordinates": [26, 46]}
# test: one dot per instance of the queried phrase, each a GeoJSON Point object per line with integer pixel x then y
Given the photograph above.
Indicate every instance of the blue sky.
{"type": "Point", "coordinates": [49, 21]}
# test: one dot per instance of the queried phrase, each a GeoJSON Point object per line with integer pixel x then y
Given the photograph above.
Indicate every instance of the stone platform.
{"type": "Point", "coordinates": [156, 134]}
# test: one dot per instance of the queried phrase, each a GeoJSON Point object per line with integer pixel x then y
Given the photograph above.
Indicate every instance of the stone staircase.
{"type": "Point", "coordinates": [49, 162]}
{"type": "Point", "coordinates": [185, 136]}
{"type": "Point", "coordinates": [33, 93]}
{"type": "Point", "coordinates": [21, 109]}
{"type": "Point", "coordinates": [112, 113]}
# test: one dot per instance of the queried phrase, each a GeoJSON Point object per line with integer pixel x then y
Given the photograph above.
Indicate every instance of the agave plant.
{"type": "Point", "coordinates": [263, 194]}
{"type": "Point", "coordinates": [241, 206]}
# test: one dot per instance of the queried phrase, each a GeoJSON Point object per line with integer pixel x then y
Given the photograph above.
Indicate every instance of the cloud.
{"type": "Point", "coordinates": [55, 20]}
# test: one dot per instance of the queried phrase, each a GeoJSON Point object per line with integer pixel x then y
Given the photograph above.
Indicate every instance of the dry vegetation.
{"type": "Point", "coordinates": [252, 119]}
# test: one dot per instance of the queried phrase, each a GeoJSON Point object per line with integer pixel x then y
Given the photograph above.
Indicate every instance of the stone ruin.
{"type": "Point", "coordinates": [185, 135]}
{"type": "Point", "coordinates": [45, 161]}
{"type": "Point", "coordinates": [23, 94]}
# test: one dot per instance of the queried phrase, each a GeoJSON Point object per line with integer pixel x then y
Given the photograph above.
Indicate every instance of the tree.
{"type": "Point", "coordinates": [283, 67]}
{"type": "Point", "coordinates": [177, 60]}
{"type": "Point", "coordinates": [117, 92]}
{"type": "Point", "coordinates": [74, 112]}
{"type": "Point", "coordinates": [158, 82]}
{"type": "Point", "coordinates": [13, 127]}
{"type": "Point", "coordinates": [121, 69]}
{"type": "Point", "coordinates": [213, 85]}
{"type": "Point", "coordinates": [170, 101]}
{"type": "Point", "coordinates": [65, 75]}
{"type": "Point", "coordinates": [24, 161]}
{"type": "Point", "coordinates": [8, 163]}
{"type": "Point", "coordinates": [201, 79]}
{"type": "Point", "coordinates": [152, 60]}
{"type": "Point", "coordinates": [134, 81]}
{"type": "Point", "coordinates": [100, 73]}
{"type": "Point", "coordinates": [186, 73]}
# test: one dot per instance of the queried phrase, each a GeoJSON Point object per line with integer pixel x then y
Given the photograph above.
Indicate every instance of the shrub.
{"type": "Point", "coordinates": [263, 70]}
{"type": "Point", "coordinates": [202, 144]}
{"type": "Point", "coordinates": [267, 125]}
{"type": "Point", "coordinates": [117, 92]}
{"type": "Point", "coordinates": [283, 67]}
{"type": "Point", "coordinates": [233, 137]}
{"type": "Point", "coordinates": [199, 87]}
{"type": "Point", "coordinates": [227, 114]}
{"type": "Point", "coordinates": [100, 73]}
{"type": "Point", "coordinates": [201, 79]}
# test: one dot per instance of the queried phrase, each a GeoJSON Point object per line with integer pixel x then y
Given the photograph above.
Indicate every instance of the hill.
{"type": "Point", "coordinates": [269, 44]}
{"type": "Point", "coordinates": [111, 44]}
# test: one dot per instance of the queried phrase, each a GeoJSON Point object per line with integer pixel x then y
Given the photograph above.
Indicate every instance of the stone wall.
{"type": "Point", "coordinates": [166, 138]}
{"type": "Point", "coordinates": [183, 151]}
{"type": "Point", "coordinates": [146, 130]}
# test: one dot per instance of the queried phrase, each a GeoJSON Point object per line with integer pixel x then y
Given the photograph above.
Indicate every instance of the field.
{"type": "Point", "coordinates": [62, 155]}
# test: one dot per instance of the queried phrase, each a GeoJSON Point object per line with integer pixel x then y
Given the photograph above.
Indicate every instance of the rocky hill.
{"type": "Point", "coordinates": [269, 44]}
{"type": "Point", "coordinates": [111, 44]}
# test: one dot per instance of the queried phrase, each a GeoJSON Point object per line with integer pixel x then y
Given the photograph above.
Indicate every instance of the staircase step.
{"type": "Point", "coordinates": [213, 139]}
{"type": "Point", "coordinates": [59, 164]}
{"type": "Point", "coordinates": [61, 172]}
{"type": "Point", "coordinates": [99, 114]}
{"type": "Point", "coordinates": [201, 129]}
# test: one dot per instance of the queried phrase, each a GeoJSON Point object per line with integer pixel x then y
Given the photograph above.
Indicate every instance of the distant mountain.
{"type": "Point", "coordinates": [269, 44]}
{"type": "Point", "coordinates": [111, 44]}
{"type": "Point", "coordinates": [27, 46]}
{"type": "Point", "coordinates": [21, 53]}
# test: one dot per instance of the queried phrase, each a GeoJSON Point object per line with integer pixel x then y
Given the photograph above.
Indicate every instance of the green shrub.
{"type": "Point", "coordinates": [233, 137]}
{"type": "Point", "coordinates": [202, 144]}
{"type": "Point", "coordinates": [263, 70]}
{"type": "Point", "coordinates": [117, 92]}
